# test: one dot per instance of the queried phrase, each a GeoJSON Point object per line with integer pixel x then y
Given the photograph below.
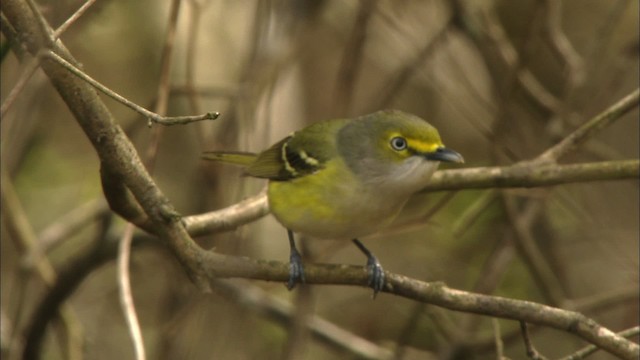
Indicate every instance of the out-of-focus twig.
{"type": "Point", "coordinates": [560, 45]}
{"type": "Point", "coordinates": [591, 127]}
{"type": "Point", "coordinates": [399, 79]}
{"type": "Point", "coordinates": [69, 223]}
{"type": "Point", "coordinates": [26, 242]}
{"type": "Point", "coordinates": [495, 324]}
{"type": "Point", "coordinates": [126, 295]}
{"type": "Point", "coordinates": [532, 353]}
{"type": "Point", "coordinates": [481, 25]}
{"type": "Point", "coordinates": [257, 300]}
{"type": "Point", "coordinates": [352, 57]}
{"type": "Point", "coordinates": [522, 222]}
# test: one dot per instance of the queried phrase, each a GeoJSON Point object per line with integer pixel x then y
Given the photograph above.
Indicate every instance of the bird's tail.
{"type": "Point", "coordinates": [231, 157]}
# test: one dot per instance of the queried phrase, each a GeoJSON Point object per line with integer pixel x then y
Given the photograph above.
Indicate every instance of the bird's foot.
{"type": "Point", "coordinates": [296, 269]}
{"type": "Point", "coordinates": [374, 269]}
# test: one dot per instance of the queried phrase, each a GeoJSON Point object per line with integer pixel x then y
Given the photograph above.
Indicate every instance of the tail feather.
{"type": "Point", "coordinates": [231, 157]}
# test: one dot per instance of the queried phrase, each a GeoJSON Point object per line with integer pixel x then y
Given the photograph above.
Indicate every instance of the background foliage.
{"type": "Point", "coordinates": [501, 80]}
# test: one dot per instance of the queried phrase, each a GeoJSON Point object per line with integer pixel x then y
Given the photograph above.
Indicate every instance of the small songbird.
{"type": "Point", "coordinates": [345, 178]}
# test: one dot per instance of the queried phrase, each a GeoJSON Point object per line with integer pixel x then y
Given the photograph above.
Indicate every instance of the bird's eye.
{"type": "Point", "coordinates": [398, 143]}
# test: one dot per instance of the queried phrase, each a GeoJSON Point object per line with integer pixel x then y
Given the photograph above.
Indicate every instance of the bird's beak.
{"type": "Point", "coordinates": [445, 155]}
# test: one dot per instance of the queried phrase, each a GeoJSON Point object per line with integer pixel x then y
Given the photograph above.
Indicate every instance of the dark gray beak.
{"type": "Point", "coordinates": [445, 155]}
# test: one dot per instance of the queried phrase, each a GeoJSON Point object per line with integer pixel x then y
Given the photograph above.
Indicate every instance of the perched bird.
{"type": "Point", "coordinates": [345, 178]}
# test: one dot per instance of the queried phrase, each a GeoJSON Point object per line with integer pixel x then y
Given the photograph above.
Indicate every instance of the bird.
{"type": "Point", "coordinates": [345, 178]}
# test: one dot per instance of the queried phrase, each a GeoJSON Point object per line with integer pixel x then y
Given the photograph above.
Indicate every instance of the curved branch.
{"type": "Point", "coordinates": [435, 293]}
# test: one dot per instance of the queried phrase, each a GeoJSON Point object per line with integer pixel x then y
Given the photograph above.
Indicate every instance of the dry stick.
{"type": "Point", "coordinates": [532, 353]}
{"type": "Point", "coordinates": [33, 64]}
{"type": "Point", "coordinates": [590, 349]}
{"type": "Point", "coordinates": [153, 117]}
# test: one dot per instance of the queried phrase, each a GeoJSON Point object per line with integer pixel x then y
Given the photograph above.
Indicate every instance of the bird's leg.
{"type": "Point", "coordinates": [375, 270]}
{"type": "Point", "coordinates": [296, 269]}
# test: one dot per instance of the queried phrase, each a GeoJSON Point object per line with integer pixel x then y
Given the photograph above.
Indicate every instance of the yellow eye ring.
{"type": "Point", "coordinates": [398, 143]}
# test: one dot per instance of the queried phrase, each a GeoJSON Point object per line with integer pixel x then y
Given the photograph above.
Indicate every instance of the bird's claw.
{"type": "Point", "coordinates": [296, 270]}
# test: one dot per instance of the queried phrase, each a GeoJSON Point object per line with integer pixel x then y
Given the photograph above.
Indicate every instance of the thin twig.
{"type": "Point", "coordinates": [352, 57]}
{"type": "Point", "coordinates": [532, 353]}
{"type": "Point", "coordinates": [522, 221]}
{"type": "Point", "coordinates": [162, 103]}
{"type": "Point", "coordinates": [591, 127]}
{"type": "Point", "coordinates": [33, 64]}
{"type": "Point", "coordinates": [26, 75]}
{"type": "Point", "coordinates": [73, 18]}
{"type": "Point", "coordinates": [153, 117]}
{"type": "Point", "coordinates": [67, 224]}
{"type": "Point", "coordinates": [126, 296]}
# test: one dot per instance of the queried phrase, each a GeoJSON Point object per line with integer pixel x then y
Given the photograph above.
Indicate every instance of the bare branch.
{"type": "Point", "coordinates": [591, 127]}
{"type": "Point", "coordinates": [521, 175]}
{"type": "Point", "coordinates": [532, 353]}
{"type": "Point", "coordinates": [153, 117]}
{"type": "Point", "coordinates": [433, 293]}
{"type": "Point", "coordinates": [229, 218]}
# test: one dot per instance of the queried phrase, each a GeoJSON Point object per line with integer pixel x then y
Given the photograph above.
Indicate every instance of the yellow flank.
{"type": "Point", "coordinates": [330, 203]}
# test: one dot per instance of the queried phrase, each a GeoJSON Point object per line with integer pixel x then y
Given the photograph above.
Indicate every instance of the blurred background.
{"type": "Point", "coordinates": [502, 81]}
